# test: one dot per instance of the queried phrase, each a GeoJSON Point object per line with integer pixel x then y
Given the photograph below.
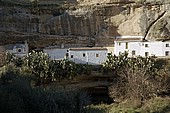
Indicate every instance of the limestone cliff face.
{"type": "Point", "coordinates": [160, 30]}
{"type": "Point", "coordinates": [149, 18]}
{"type": "Point", "coordinates": [88, 22]}
{"type": "Point", "coordinates": [137, 20]}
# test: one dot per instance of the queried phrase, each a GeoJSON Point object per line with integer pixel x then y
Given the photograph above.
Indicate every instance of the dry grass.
{"type": "Point", "coordinates": [155, 105]}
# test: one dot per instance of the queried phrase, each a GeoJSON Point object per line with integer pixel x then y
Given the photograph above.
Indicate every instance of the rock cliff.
{"type": "Point", "coordinates": [82, 22]}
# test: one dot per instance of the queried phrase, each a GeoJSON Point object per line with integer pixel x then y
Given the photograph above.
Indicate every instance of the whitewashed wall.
{"type": "Point", "coordinates": [131, 46]}
{"type": "Point", "coordinates": [24, 49]}
{"type": "Point", "coordinates": [90, 56]}
{"type": "Point", "coordinates": [166, 48]}
{"type": "Point", "coordinates": [56, 53]}
{"type": "Point", "coordinates": [110, 49]}
{"type": "Point", "coordinates": [156, 48]}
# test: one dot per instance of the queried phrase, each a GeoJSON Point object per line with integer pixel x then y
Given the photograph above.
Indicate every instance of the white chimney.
{"type": "Point", "coordinates": [62, 45]}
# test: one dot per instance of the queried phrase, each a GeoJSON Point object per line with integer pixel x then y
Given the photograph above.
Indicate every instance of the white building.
{"type": "Point", "coordinates": [56, 53]}
{"type": "Point", "coordinates": [110, 49]}
{"type": "Point", "coordinates": [135, 46]}
{"type": "Point", "coordinates": [19, 50]}
{"type": "Point", "coordinates": [88, 55]}
{"type": "Point", "coordinates": [83, 55]}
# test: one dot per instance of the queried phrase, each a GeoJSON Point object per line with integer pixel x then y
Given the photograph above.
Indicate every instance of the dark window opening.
{"type": "Point", "coordinates": [166, 53]}
{"type": "Point", "coordinates": [133, 52]}
{"type": "Point", "coordinates": [167, 45]}
{"type": "Point", "coordinates": [146, 54]}
{"type": "Point", "coordinates": [67, 54]}
{"type": "Point", "coordinates": [126, 45]}
{"type": "Point", "coordinates": [109, 54]}
{"type": "Point", "coordinates": [71, 56]}
{"type": "Point", "coordinates": [146, 45]}
{"type": "Point", "coordinates": [19, 50]}
{"type": "Point", "coordinates": [119, 43]}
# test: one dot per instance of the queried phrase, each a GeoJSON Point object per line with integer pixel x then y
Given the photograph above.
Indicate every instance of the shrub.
{"type": "Point", "coordinates": [114, 63]}
{"type": "Point", "coordinates": [156, 105]}
{"type": "Point", "coordinates": [138, 78]}
{"type": "Point", "coordinates": [83, 69]}
{"type": "Point", "coordinates": [45, 70]}
{"type": "Point", "coordinates": [101, 108]}
{"type": "Point", "coordinates": [19, 97]}
{"type": "Point", "coordinates": [62, 69]}
{"type": "Point", "coordinates": [38, 63]}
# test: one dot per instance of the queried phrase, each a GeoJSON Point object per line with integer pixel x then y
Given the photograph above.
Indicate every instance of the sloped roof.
{"type": "Point", "coordinates": [88, 48]}
{"type": "Point", "coordinates": [11, 46]}
{"type": "Point", "coordinates": [129, 39]}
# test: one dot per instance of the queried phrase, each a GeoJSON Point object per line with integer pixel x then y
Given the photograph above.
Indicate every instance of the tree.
{"type": "Point", "coordinates": [43, 69]}
{"type": "Point", "coordinates": [38, 63]}
{"type": "Point", "coordinates": [50, 70]}
{"type": "Point", "coordinates": [9, 58]}
{"type": "Point", "coordinates": [18, 96]}
{"type": "Point", "coordinates": [138, 77]}
{"type": "Point", "coordinates": [63, 69]}
{"type": "Point", "coordinates": [114, 63]}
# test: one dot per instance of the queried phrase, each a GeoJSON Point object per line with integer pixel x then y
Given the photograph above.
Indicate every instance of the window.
{"type": "Point", "coordinates": [146, 45]}
{"type": "Point", "coordinates": [166, 53]}
{"type": "Point", "coordinates": [84, 54]}
{"type": "Point", "coordinates": [109, 54]}
{"type": "Point", "coordinates": [19, 50]}
{"type": "Point", "coordinates": [133, 52]}
{"type": "Point", "coordinates": [119, 43]}
{"type": "Point", "coordinates": [97, 55]}
{"type": "Point", "coordinates": [126, 45]}
{"type": "Point", "coordinates": [167, 45]}
{"type": "Point", "coordinates": [67, 54]}
{"type": "Point", "coordinates": [146, 54]}
{"type": "Point", "coordinates": [71, 56]}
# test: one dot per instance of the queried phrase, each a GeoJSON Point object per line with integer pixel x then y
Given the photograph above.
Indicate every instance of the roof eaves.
{"type": "Point", "coordinates": [86, 49]}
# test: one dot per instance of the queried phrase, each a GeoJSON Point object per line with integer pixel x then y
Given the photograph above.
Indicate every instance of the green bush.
{"type": "Point", "coordinates": [41, 67]}
{"type": "Point", "coordinates": [101, 108]}
{"type": "Point", "coordinates": [138, 77]}
{"type": "Point", "coordinates": [44, 70]}
{"type": "Point", "coordinates": [18, 96]}
{"type": "Point", "coordinates": [156, 105]}
{"type": "Point", "coordinates": [83, 69]}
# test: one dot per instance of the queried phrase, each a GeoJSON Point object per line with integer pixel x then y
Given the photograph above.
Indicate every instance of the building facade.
{"type": "Point", "coordinates": [56, 53]}
{"type": "Point", "coordinates": [19, 50]}
{"type": "Point", "coordinates": [87, 55]}
{"type": "Point", "coordinates": [83, 55]}
{"type": "Point", "coordinates": [139, 47]}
